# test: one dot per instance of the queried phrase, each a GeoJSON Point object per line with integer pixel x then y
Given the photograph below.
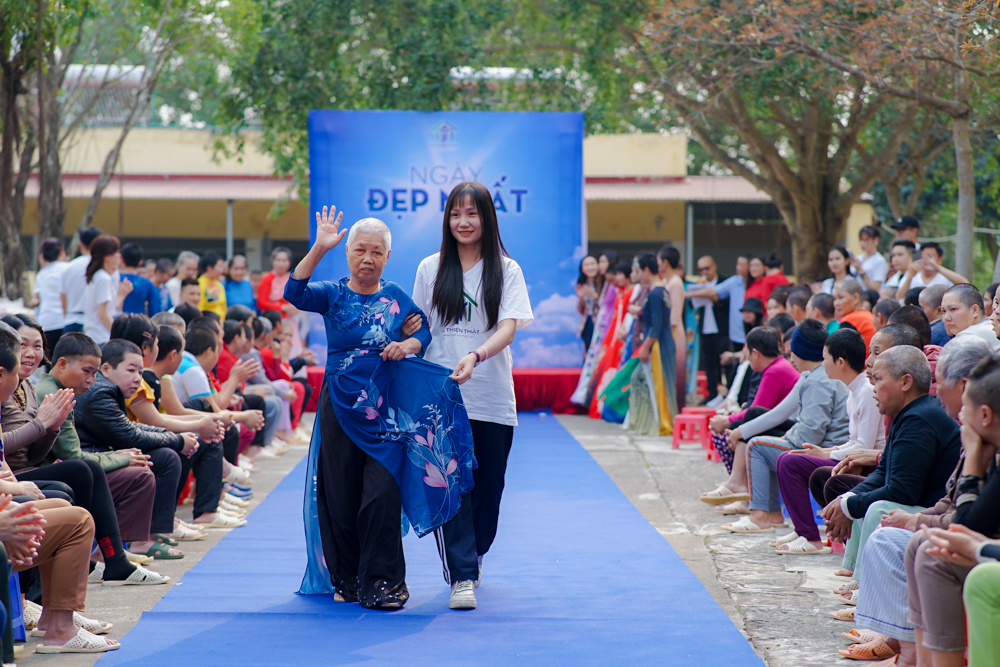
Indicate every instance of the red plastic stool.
{"type": "Point", "coordinates": [690, 428]}
{"type": "Point", "coordinates": [699, 411]}
{"type": "Point", "coordinates": [713, 453]}
{"type": "Point", "coordinates": [702, 385]}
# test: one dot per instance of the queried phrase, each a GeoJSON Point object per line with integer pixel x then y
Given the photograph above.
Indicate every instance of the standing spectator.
{"type": "Point", "coordinates": [270, 292]}
{"type": "Point", "coordinates": [907, 228]}
{"type": "Point", "coordinates": [190, 294]}
{"type": "Point", "coordinates": [870, 266]}
{"type": "Point", "coordinates": [48, 286]}
{"type": "Point", "coordinates": [74, 283]}
{"type": "Point", "coordinates": [928, 271]}
{"type": "Point", "coordinates": [713, 328]}
{"type": "Point", "coordinates": [838, 260]}
{"type": "Point", "coordinates": [213, 295]}
{"type": "Point", "coordinates": [161, 276]}
{"type": "Point", "coordinates": [586, 294]}
{"type": "Point", "coordinates": [733, 290]}
{"type": "Point", "coordinates": [900, 256]}
{"type": "Point", "coordinates": [105, 294]}
{"type": "Point", "coordinates": [144, 297]}
{"type": "Point", "coordinates": [930, 302]}
{"type": "Point", "coordinates": [187, 267]}
{"type": "Point", "coordinates": [669, 259]}
{"type": "Point", "coordinates": [962, 314]}
{"type": "Point", "coordinates": [239, 291]}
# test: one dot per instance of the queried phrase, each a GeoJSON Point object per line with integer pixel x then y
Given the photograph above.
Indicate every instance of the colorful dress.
{"type": "Point", "coordinates": [653, 395]}
{"type": "Point", "coordinates": [584, 390]}
{"type": "Point", "coordinates": [408, 415]}
{"type": "Point", "coordinates": [607, 367]}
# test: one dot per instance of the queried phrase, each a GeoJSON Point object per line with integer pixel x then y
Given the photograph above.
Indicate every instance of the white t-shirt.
{"type": "Point", "coordinates": [103, 288]}
{"type": "Point", "coordinates": [983, 330]}
{"type": "Point", "coordinates": [938, 279]}
{"type": "Point", "coordinates": [894, 280]}
{"type": "Point", "coordinates": [174, 287]}
{"type": "Point", "coordinates": [489, 393]}
{"type": "Point", "coordinates": [875, 267]}
{"type": "Point", "coordinates": [74, 286]}
{"type": "Point", "coordinates": [48, 287]}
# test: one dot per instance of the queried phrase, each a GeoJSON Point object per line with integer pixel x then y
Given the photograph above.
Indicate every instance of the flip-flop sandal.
{"type": "Point", "coordinates": [846, 588]}
{"type": "Point", "coordinates": [89, 624]}
{"type": "Point", "coordinates": [784, 539]}
{"type": "Point", "coordinates": [141, 577]}
{"type": "Point", "coordinates": [738, 507]}
{"type": "Point", "coordinates": [163, 538]}
{"type": "Point", "coordinates": [801, 547]}
{"type": "Point", "coordinates": [844, 614]}
{"type": "Point", "coordinates": [184, 533]}
{"type": "Point", "coordinates": [851, 599]}
{"type": "Point", "coordinates": [723, 495]}
{"type": "Point", "coordinates": [857, 636]}
{"type": "Point", "coordinates": [875, 650]}
{"type": "Point", "coordinates": [32, 614]}
{"type": "Point", "coordinates": [81, 642]}
{"type": "Point", "coordinates": [745, 526]}
{"type": "Point", "coordinates": [160, 551]}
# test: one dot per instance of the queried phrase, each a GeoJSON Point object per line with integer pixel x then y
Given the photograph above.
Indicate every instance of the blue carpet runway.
{"type": "Point", "coordinates": [577, 576]}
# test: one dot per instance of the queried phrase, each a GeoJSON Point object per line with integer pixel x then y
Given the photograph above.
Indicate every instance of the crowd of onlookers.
{"type": "Point", "coordinates": [136, 387]}
{"type": "Point", "coordinates": [875, 393]}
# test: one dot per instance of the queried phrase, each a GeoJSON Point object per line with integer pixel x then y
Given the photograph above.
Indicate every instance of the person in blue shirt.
{"type": "Point", "coordinates": [145, 296]}
{"type": "Point", "coordinates": [239, 290]}
{"type": "Point", "coordinates": [393, 434]}
{"type": "Point", "coordinates": [732, 288]}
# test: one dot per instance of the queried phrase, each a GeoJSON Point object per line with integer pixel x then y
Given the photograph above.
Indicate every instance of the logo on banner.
{"type": "Point", "coordinates": [444, 133]}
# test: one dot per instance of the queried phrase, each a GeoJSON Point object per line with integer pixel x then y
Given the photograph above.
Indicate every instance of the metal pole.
{"type": "Point", "coordinates": [689, 239]}
{"type": "Point", "coordinates": [229, 229]}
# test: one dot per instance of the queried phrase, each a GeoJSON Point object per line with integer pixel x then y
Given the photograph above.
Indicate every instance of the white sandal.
{"type": "Point", "coordinates": [746, 526]}
{"type": "Point", "coordinates": [236, 474]}
{"type": "Point", "coordinates": [32, 614]}
{"type": "Point", "coordinates": [185, 533]}
{"type": "Point", "coordinates": [784, 539]}
{"type": "Point", "coordinates": [141, 577]}
{"type": "Point", "coordinates": [800, 546]}
{"type": "Point", "coordinates": [722, 495]}
{"type": "Point", "coordinates": [739, 507]}
{"type": "Point", "coordinates": [81, 642]}
{"type": "Point", "coordinates": [89, 624]}
{"type": "Point", "coordinates": [233, 500]}
{"type": "Point", "coordinates": [96, 575]}
{"type": "Point", "coordinates": [224, 521]}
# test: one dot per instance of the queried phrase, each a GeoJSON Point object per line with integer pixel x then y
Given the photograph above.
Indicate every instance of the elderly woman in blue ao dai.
{"type": "Point", "coordinates": [393, 435]}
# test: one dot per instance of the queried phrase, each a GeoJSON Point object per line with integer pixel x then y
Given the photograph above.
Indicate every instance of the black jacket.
{"type": "Point", "coordinates": [921, 451]}
{"type": "Point", "coordinates": [102, 424]}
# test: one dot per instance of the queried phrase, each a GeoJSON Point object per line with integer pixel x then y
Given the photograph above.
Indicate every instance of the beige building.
{"type": "Point", "coordinates": [170, 194]}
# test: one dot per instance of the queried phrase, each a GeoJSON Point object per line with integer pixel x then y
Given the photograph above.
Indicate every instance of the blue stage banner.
{"type": "Point", "coordinates": [400, 166]}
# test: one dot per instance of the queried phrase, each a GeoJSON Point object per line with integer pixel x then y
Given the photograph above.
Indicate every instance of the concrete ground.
{"type": "Point", "coordinates": [123, 606]}
{"type": "Point", "coordinates": [780, 603]}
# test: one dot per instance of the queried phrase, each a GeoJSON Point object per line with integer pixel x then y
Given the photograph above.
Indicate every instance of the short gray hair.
{"type": "Point", "coordinates": [370, 226]}
{"type": "Point", "coordinates": [906, 360]}
{"type": "Point", "coordinates": [960, 356]}
{"type": "Point", "coordinates": [169, 319]}
{"type": "Point", "coordinates": [850, 285]}
{"type": "Point", "coordinates": [186, 255]}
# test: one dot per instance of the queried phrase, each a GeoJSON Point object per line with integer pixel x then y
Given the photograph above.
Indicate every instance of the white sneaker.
{"type": "Point", "coordinates": [463, 595]}
{"type": "Point", "coordinates": [480, 577]}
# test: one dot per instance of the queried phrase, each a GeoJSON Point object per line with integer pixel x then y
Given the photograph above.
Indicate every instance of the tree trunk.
{"type": "Point", "coordinates": [51, 210]}
{"type": "Point", "coordinates": [11, 254]}
{"type": "Point", "coordinates": [965, 169]}
{"type": "Point", "coordinates": [813, 231]}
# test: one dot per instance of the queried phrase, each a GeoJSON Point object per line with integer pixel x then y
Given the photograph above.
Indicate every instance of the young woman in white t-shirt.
{"type": "Point", "coordinates": [105, 291]}
{"type": "Point", "coordinates": [475, 298]}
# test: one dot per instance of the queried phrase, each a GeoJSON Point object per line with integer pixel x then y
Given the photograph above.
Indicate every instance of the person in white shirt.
{"type": "Point", "coordinates": [844, 360]}
{"type": "Point", "coordinates": [962, 314]}
{"type": "Point", "coordinates": [47, 299]}
{"type": "Point", "coordinates": [900, 257]}
{"type": "Point", "coordinates": [838, 260]}
{"type": "Point", "coordinates": [870, 267]}
{"type": "Point", "coordinates": [74, 282]}
{"type": "Point", "coordinates": [907, 228]}
{"type": "Point", "coordinates": [105, 292]}
{"type": "Point", "coordinates": [475, 298]}
{"type": "Point", "coordinates": [187, 267]}
{"type": "Point", "coordinates": [928, 271]}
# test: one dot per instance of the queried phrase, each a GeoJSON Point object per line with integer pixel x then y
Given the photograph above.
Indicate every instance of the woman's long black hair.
{"type": "Point", "coordinates": [448, 298]}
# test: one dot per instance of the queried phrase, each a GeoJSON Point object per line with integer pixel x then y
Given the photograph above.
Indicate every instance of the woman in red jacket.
{"type": "Point", "coordinates": [272, 286]}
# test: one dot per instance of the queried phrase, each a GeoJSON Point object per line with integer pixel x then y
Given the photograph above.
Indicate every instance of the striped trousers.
{"type": "Point", "coordinates": [882, 604]}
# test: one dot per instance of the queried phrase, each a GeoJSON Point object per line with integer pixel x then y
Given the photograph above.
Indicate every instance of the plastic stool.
{"type": "Point", "coordinates": [713, 453]}
{"type": "Point", "coordinates": [690, 428]}
{"type": "Point", "coordinates": [699, 410]}
{"type": "Point", "coordinates": [16, 610]}
{"type": "Point", "coordinates": [702, 385]}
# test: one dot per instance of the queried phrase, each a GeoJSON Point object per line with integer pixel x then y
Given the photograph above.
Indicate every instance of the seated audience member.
{"type": "Point", "coordinates": [169, 319]}
{"type": "Point", "coordinates": [882, 311]}
{"type": "Point", "coordinates": [962, 314]}
{"type": "Point", "coordinates": [819, 408]}
{"type": "Point", "coordinates": [239, 290]}
{"type": "Point", "coordinates": [912, 297]}
{"type": "Point", "coordinates": [76, 361]}
{"type": "Point", "coordinates": [928, 271]}
{"type": "Point", "coordinates": [901, 255]}
{"type": "Point", "coordinates": [821, 308]}
{"type": "Point", "coordinates": [190, 293]}
{"type": "Point", "coordinates": [881, 601]}
{"type": "Point", "coordinates": [187, 313]}
{"type": "Point", "coordinates": [797, 302]}
{"type": "Point", "coordinates": [278, 369]}
{"type": "Point", "coordinates": [55, 538]}
{"type": "Point", "coordinates": [847, 307]}
{"type": "Point", "coordinates": [240, 313]}
{"type": "Point", "coordinates": [844, 361]}
{"type": "Point", "coordinates": [777, 379]}
{"type": "Point", "coordinates": [29, 431]}
{"type": "Point", "coordinates": [206, 463]}
{"type": "Point", "coordinates": [869, 298]}
{"type": "Point", "coordinates": [775, 303]}
{"type": "Point", "coordinates": [988, 295]}
{"type": "Point", "coordinates": [914, 316]}
{"type": "Point", "coordinates": [922, 448]}
{"type": "Point", "coordinates": [103, 426]}
{"type": "Point", "coordinates": [930, 302]}
{"type": "Point", "coordinates": [145, 296]}
{"type": "Point", "coordinates": [934, 585]}
{"type": "Point", "coordinates": [783, 322]}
